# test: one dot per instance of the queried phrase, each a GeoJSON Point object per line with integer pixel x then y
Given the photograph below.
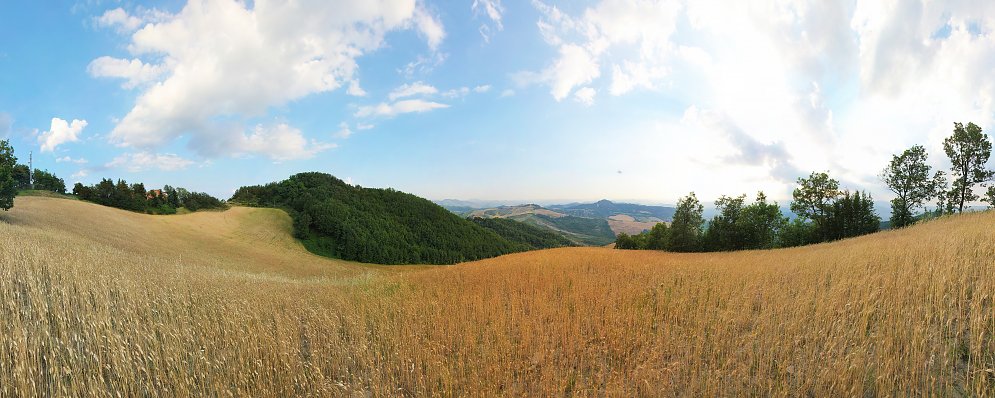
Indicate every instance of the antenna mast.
{"type": "Point", "coordinates": [31, 170]}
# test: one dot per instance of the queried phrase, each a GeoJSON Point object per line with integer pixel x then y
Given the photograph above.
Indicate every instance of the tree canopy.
{"type": "Point", "coordinates": [824, 212]}
{"type": "Point", "coordinates": [968, 149]}
{"type": "Point", "coordinates": [908, 177]}
{"type": "Point", "coordinates": [45, 181]}
{"type": "Point", "coordinates": [687, 225]}
{"type": "Point", "coordinates": [814, 196]}
{"type": "Point", "coordinates": [526, 236]}
{"type": "Point", "coordinates": [8, 186]}
{"type": "Point", "coordinates": [738, 226]}
{"type": "Point", "coordinates": [135, 197]}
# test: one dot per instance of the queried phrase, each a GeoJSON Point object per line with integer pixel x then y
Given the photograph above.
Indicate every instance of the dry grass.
{"type": "Point", "coordinates": [97, 301]}
{"type": "Point", "coordinates": [625, 223]}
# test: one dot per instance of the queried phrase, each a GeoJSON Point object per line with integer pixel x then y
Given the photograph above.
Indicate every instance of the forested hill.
{"type": "Point", "coordinates": [523, 233]}
{"type": "Point", "coordinates": [381, 226]}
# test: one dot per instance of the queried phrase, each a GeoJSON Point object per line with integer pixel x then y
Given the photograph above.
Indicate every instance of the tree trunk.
{"type": "Point", "coordinates": [963, 186]}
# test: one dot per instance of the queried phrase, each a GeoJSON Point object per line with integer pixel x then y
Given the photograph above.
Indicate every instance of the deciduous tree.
{"type": "Point", "coordinates": [814, 197]}
{"type": "Point", "coordinates": [46, 181]}
{"type": "Point", "coordinates": [22, 176]}
{"type": "Point", "coordinates": [968, 149]}
{"type": "Point", "coordinates": [658, 237]}
{"type": "Point", "coordinates": [762, 223]}
{"type": "Point", "coordinates": [908, 176]}
{"type": "Point", "coordinates": [8, 187]}
{"type": "Point", "coordinates": [724, 231]}
{"type": "Point", "coordinates": [686, 228]}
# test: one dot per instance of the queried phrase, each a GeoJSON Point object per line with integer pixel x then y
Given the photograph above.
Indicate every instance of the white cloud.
{"type": "Point", "coordinates": [124, 22]}
{"type": "Point", "coordinates": [494, 11]}
{"type": "Point", "coordinates": [507, 93]}
{"type": "Point", "coordinates": [464, 91]}
{"type": "Point", "coordinates": [585, 95]}
{"type": "Point", "coordinates": [364, 126]}
{"type": "Point", "coordinates": [60, 133]}
{"type": "Point", "coordinates": [355, 90]}
{"type": "Point", "coordinates": [67, 159]}
{"type": "Point", "coordinates": [399, 107]}
{"type": "Point", "coordinates": [219, 62]}
{"type": "Point", "coordinates": [574, 67]}
{"type": "Point", "coordinates": [429, 27]}
{"type": "Point", "coordinates": [134, 71]}
{"type": "Point", "coordinates": [279, 142]}
{"type": "Point", "coordinates": [633, 36]}
{"type": "Point", "coordinates": [119, 18]}
{"type": "Point", "coordinates": [745, 150]}
{"type": "Point", "coordinates": [793, 87]}
{"type": "Point", "coordinates": [782, 88]}
{"type": "Point", "coordinates": [423, 64]}
{"type": "Point", "coordinates": [344, 131]}
{"type": "Point", "coordinates": [413, 89]}
{"type": "Point", "coordinates": [457, 92]}
{"type": "Point", "coordinates": [142, 161]}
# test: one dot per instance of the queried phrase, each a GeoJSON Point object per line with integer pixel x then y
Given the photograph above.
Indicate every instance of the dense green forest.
{"type": "Point", "coordinates": [519, 232]}
{"type": "Point", "coordinates": [590, 231]}
{"type": "Point", "coordinates": [381, 226]}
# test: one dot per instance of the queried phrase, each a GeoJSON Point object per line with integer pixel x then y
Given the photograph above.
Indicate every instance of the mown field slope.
{"type": "Point", "coordinates": [97, 301]}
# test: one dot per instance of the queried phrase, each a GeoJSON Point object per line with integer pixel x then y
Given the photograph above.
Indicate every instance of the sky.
{"type": "Point", "coordinates": [493, 99]}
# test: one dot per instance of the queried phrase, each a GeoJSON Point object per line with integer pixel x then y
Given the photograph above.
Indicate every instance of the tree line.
{"type": "Point", "coordinates": [43, 180]}
{"type": "Point", "coordinates": [824, 211]}
{"type": "Point", "coordinates": [135, 197]}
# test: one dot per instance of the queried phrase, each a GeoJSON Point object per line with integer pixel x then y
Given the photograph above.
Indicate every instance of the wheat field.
{"type": "Point", "coordinates": [101, 302]}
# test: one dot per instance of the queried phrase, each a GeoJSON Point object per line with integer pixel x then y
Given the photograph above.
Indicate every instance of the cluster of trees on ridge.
{"type": "Point", "coordinates": [826, 213]}
{"type": "Point", "coordinates": [385, 226]}
{"type": "Point", "coordinates": [134, 197]}
{"type": "Point", "coordinates": [43, 180]}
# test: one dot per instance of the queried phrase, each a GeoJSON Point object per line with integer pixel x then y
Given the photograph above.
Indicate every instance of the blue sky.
{"type": "Point", "coordinates": [488, 99]}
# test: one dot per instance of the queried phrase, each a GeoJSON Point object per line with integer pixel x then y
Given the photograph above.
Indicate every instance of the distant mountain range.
{"type": "Point", "coordinates": [606, 209]}
{"type": "Point", "coordinates": [592, 224]}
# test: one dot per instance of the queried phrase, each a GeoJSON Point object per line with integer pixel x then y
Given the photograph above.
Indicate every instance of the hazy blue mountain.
{"type": "Point", "coordinates": [607, 208]}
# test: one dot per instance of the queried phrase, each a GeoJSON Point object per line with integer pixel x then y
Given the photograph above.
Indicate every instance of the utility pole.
{"type": "Point", "coordinates": [31, 170]}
